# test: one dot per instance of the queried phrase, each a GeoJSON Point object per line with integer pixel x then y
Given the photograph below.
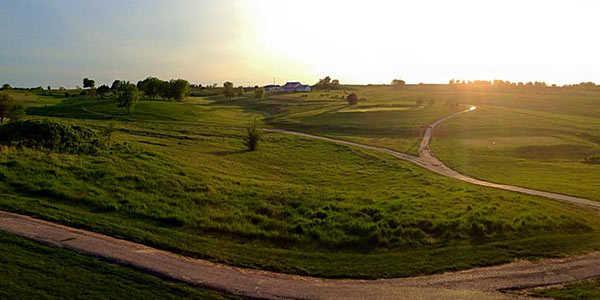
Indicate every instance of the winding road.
{"type": "Point", "coordinates": [478, 283]}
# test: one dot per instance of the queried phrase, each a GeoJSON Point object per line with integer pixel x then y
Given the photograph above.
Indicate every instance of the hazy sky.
{"type": "Point", "coordinates": [58, 42]}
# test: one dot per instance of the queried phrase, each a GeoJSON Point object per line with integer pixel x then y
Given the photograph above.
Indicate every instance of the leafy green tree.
{"type": "Point", "coordinates": [228, 90]}
{"type": "Point", "coordinates": [103, 90]}
{"type": "Point", "coordinates": [88, 83]}
{"type": "Point", "coordinates": [128, 96]}
{"type": "Point", "coordinates": [179, 89]}
{"type": "Point", "coordinates": [6, 104]}
{"type": "Point", "coordinates": [240, 91]}
{"type": "Point", "coordinates": [116, 85]}
{"type": "Point", "coordinates": [252, 136]}
{"type": "Point", "coordinates": [151, 86]}
{"type": "Point", "coordinates": [398, 83]}
{"type": "Point", "coordinates": [49, 88]}
{"type": "Point", "coordinates": [6, 86]}
{"type": "Point", "coordinates": [259, 93]}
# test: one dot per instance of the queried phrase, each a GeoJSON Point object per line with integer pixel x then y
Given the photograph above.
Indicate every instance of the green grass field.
{"type": "Point", "coordinates": [539, 141]}
{"type": "Point", "coordinates": [34, 271]}
{"type": "Point", "coordinates": [178, 178]}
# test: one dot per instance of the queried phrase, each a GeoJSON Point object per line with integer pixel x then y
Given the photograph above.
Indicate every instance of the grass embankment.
{"type": "Point", "coordinates": [584, 290]}
{"type": "Point", "coordinates": [177, 178]}
{"type": "Point", "coordinates": [34, 271]}
{"type": "Point", "coordinates": [544, 141]}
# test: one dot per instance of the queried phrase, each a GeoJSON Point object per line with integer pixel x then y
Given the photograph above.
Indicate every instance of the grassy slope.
{"type": "Point", "coordinates": [585, 290]}
{"type": "Point", "coordinates": [34, 271]}
{"type": "Point", "coordinates": [388, 117]}
{"type": "Point", "coordinates": [533, 140]}
{"type": "Point", "coordinates": [179, 180]}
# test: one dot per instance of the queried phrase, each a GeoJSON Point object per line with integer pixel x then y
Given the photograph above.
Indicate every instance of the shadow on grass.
{"type": "Point", "coordinates": [229, 152]}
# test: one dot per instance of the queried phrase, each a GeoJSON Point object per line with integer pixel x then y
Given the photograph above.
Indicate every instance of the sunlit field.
{"type": "Point", "coordinates": [178, 177]}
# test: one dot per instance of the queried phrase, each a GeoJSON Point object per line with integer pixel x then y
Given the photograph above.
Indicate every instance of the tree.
{"type": "Point", "coordinates": [228, 90]}
{"type": "Point", "coordinates": [399, 83]}
{"type": "Point", "coordinates": [352, 99]}
{"type": "Point", "coordinates": [6, 86]}
{"type": "Point", "coordinates": [240, 91]}
{"type": "Point", "coordinates": [116, 85]}
{"type": "Point", "coordinates": [128, 96]}
{"type": "Point", "coordinates": [6, 104]}
{"type": "Point", "coordinates": [88, 83]}
{"type": "Point", "coordinates": [252, 136]}
{"type": "Point", "coordinates": [103, 90]}
{"type": "Point", "coordinates": [179, 89]}
{"type": "Point", "coordinates": [259, 93]}
{"type": "Point", "coordinates": [49, 88]}
{"type": "Point", "coordinates": [150, 86]}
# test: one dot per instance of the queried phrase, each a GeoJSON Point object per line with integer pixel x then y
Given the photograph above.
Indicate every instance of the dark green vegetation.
{"type": "Point", "coordinates": [52, 136]}
{"type": "Point", "coordinates": [34, 271]}
{"type": "Point", "coordinates": [585, 290]}
{"type": "Point", "coordinates": [178, 177]}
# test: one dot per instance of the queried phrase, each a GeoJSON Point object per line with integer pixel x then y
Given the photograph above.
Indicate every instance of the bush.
{"type": "Point", "coordinates": [352, 99]}
{"type": "Point", "coordinates": [252, 137]}
{"type": "Point", "coordinates": [53, 136]}
{"type": "Point", "coordinates": [593, 159]}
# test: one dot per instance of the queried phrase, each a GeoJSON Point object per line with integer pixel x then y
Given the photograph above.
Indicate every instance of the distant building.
{"type": "Point", "coordinates": [291, 87]}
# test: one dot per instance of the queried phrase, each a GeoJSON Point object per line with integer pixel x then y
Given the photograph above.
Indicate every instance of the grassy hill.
{"type": "Point", "coordinates": [177, 177]}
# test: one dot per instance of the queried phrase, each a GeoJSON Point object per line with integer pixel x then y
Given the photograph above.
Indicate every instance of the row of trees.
{"type": "Point", "coordinates": [176, 89]}
{"type": "Point", "coordinates": [151, 87]}
{"type": "Point", "coordinates": [327, 84]}
{"type": "Point", "coordinates": [510, 84]}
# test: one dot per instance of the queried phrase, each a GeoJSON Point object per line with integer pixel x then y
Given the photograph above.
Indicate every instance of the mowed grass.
{"type": "Point", "coordinates": [545, 145]}
{"type": "Point", "coordinates": [584, 290]}
{"type": "Point", "coordinates": [390, 117]}
{"type": "Point", "coordinates": [34, 271]}
{"type": "Point", "coordinates": [178, 178]}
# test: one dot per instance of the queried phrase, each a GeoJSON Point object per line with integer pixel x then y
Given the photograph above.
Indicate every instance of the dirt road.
{"type": "Point", "coordinates": [480, 283]}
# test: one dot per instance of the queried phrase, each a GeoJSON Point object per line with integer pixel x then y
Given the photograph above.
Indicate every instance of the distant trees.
{"type": "Point", "coordinates": [179, 89]}
{"type": "Point", "coordinates": [352, 99]}
{"type": "Point", "coordinates": [228, 90]}
{"type": "Point", "coordinates": [259, 93]}
{"type": "Point", "coordinates": [49, 88]}
{"type": "Point", "coordinates": [240, 91]}
{"type": "Point", "coordinates": [327, 84]}
{"type": "Point", "coordinates": [6, 86]}
{"type": "Point", "coordinates": [128, 95]}
{"type": "Point", "coordinates": [252, 136]}
{"type": "Point", "coordinates": [176, 89]}
{"type": "Point", "coordinates": [398, 83]}
{"type": "Point", "coordinates": [103, 90]}
{"type": "Point", "coordinates": [116, 85]}
{"type": "Point", "coordinates": [88, 83]}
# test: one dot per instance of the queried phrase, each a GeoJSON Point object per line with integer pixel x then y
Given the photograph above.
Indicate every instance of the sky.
{"type": "Point", "coordinates": [59, 42]}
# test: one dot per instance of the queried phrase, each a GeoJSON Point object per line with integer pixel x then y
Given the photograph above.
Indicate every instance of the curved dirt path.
{"type": "Point", "coordinates": [427, 160]}
{"type": "Point", "coordinates": [478, 283]}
